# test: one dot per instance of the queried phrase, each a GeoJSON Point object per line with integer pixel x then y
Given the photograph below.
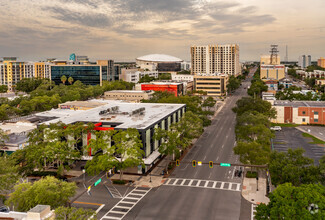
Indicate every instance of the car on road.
{"type": "Point", "coordinates": [4, 209]}
{"type": "Point", "coordinates": [276, 128]}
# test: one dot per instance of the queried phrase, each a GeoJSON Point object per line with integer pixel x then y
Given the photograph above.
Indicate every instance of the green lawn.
{"type": "Point", "coordinates": [284, 125]}
{"type": "Point", "coordinates": [315, 140]}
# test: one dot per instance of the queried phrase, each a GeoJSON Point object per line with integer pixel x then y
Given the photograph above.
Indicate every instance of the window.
{"type": "Point", "coordinates": [315, 119]}
{"type": "Point", "coordinates": [315, 113]}
{"type": "Point", "coordinates": [303, 120]}
{"type": "Point", "coordinates": [303, 112]}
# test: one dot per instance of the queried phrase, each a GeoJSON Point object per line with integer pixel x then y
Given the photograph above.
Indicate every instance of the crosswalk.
{"type": "Point", "coordinates": [209, 184]}
{"type": "Point", "coordinates": [113, 191]}
{"type": "Point", "coordinates": [126, 204]}
{"type": "Point", "coordinates": [253, 212]}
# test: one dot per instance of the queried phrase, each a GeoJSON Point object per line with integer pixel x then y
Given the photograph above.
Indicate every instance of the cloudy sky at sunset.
{"type": "Point", "coordinates": [125, 29]}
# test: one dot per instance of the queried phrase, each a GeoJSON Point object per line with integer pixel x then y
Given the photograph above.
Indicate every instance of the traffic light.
{"type": "Point", "coordinates": [194, 163]}
{"type": "Point", "coordinates": [211, 164]}
{"type": "Point", "coordinates": [177, 163]}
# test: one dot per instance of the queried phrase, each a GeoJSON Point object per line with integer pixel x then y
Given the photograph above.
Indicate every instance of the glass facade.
{"type": "Point", "coordinates": [89, 75]}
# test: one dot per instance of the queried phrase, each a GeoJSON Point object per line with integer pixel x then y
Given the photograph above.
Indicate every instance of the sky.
{"type": "Point", "coordinates": [123, 30]}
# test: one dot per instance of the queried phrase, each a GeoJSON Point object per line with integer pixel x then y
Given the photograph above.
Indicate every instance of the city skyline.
{"type": "Point", "coordinates": [124, 30]}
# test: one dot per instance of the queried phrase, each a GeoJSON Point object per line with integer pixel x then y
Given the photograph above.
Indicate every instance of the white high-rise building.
{"type": "Point", "coordinates": [212, 59]}
{"type": "Point", "coordinates": [304, 61]}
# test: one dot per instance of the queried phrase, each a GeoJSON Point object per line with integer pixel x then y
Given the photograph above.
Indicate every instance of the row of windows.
{"type": "Point", "coordinates": [207, 87]}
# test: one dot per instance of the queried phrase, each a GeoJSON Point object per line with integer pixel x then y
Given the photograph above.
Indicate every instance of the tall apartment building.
{"type": "Point", "coordinates": [12, 71]}
{"type": "Point", "coordinates": [213, 59]}
{"type": "Point", "coordinates": [321, 62]}
{"type": "Point", "coordinates": [304, 61]}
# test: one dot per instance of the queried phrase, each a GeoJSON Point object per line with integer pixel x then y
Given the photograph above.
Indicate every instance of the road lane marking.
{"type": "Point", "coordinates": [87, 203]}
{"type": "Point", "coordinates": [102, 206]}
{"type": "Point", "coordinates": [206, 184]}
{"type": "Point", "coordinates": [223, 145]}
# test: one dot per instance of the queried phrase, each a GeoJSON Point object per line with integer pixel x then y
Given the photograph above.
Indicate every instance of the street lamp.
{"type": "Point", "coordinates": [150, 177]}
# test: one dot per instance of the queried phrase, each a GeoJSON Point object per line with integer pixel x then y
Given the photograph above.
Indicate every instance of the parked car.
{"type": "Point", "coordinates": [276, 128]}
{"type": "Point", "coordinates": [4, 209]}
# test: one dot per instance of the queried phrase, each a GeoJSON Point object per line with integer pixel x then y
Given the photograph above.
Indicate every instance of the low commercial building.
{"type": "Point", "coordinates": [315, 73]}
{"type": "Point", "coordinates": [17, 135]}
{"type": "Point", "coordinates": [299, 112]}
{"type": "Point", "coordinates": [214, 85]}
{"type": "Point", "coordinates": [39, 212]}
{"type": "Point", "coordinates": [128, 95]}
{"type": "Point", "coordinates": [177, 88]}
{"type": "Point", "coordinates": [285, 82]}
{"type": "Point", "coordinates": [135, 74]}
{"type": "Point", "coordinates": [272, 85]}
{"type": "Point", "coordinates": [320, 82]}
{"type": "Point", "coordinates": [119, 115]}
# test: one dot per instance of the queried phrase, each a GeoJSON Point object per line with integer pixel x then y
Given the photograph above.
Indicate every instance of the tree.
{"type": "Point", "coordinates": [290, 202]}
{"type": "Point", "coordinates": [8, 173]}
{"type": "Point", "coordinates": [46, 191]}
{"type": "Point", "coordinates": [322, 167]}
{"type": "Point", "coordinates": [209, 102]}
{"type": "Point", "coordinates": [170, 145]}
{"type": "Point", "coordinates": [252, 153]}
{"type": "Point", "coordinates": [63, 79]}
{"type": "Point", "coordinates": [50, 146]}
{"type": "Point", "coordinates": [256, 89]}
{"type": "Point", "coordinates": [70, 80]}
{"type": "Point", "coordinates": [293, 167]}
{"type": "Point", "coordinates": [72, 213]}
{"type": "Point", "coordinates": [3, 88]}
{"type": "Point", "coordinates": [250, 104]}
{"type": "Point", "coordinates": [126, 151]}
{"type": "Point", "coordinates": [146, 78]}
{"type": "Point", "coordinates": [233, 83]}
{"type": "Point", "coordinates": [3, 137]}
{"type": "Point", "coordinates": [29, 84]}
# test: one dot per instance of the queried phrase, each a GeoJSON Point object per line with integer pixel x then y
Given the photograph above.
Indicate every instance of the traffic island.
{"type": "Point", "coordinates": [254, 190]}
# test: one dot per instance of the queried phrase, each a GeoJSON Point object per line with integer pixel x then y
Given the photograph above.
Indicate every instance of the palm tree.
{"type": "Point", "coordinates": [63, 79]}
{"type": "Point", "coordinates": [70, 80]}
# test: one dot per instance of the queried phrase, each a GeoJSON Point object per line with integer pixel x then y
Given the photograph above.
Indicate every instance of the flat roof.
{"type": "Point", "coordinates": [319, 104]}
{"type": "Point", "coordinates": [124, 117]}
{"type": "Point", "coordinates": [126, 91]}
{"type": "Point", "coordinates": [17, 127]}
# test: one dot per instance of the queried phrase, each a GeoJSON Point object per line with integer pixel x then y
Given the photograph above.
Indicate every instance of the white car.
{"type": "Point", "coordinates": [276, 128]}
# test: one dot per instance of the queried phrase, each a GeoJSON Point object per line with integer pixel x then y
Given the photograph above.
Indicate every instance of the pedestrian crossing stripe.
{"type": "Point", "coordinates": [125, 205]}
{"type": "Point", "coordinates": [209, 184]}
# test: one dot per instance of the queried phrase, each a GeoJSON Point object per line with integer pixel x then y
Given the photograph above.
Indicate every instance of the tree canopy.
{"type": "Point", "coordinates": [291, 202]}
{"type": "Point", "coordinates": [46, 191]}
{"type": "Point", "coordinates": [72, 213]}
{"type": "Point", "coordinates": [124, 153]}
{"type": "Point", "coordinates": [8, 173]}
{"type": "Point", "coordinates": [250, 104]}
{"type": "Point", "coordinates": [293, 167]}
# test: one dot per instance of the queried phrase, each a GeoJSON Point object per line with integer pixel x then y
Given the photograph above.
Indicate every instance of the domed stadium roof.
{"type": "Point", "coordinates": [159, 58]}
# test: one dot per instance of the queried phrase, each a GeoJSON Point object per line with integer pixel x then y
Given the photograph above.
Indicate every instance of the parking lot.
{"type": "Point", "coordinates": [290, 137]}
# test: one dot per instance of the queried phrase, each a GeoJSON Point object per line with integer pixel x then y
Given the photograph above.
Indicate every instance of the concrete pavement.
{"type": "Point", "coordinates": [254, 190]}
{"type": "Point", "coordinates": [316, 131]}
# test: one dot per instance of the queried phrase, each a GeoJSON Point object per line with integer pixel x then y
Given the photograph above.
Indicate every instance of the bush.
{"type": "Point", "coordinates": [120, 182]}
{"type": "Point", "coordinates": [251, 174]}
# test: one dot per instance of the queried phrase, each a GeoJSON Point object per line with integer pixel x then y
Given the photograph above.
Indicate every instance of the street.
{"type": "Point", "coordinates": [195, 199]}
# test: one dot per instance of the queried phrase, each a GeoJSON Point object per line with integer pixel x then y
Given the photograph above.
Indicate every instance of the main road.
{"type": "Point", "coordinates": [201, 192]}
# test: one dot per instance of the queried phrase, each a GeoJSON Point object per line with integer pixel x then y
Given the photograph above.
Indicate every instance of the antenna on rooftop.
{"type": "Point", "coordinates": [274, 54]}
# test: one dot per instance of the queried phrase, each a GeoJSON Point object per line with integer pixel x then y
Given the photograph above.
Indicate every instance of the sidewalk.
{"type": "Point", "coordinates": [250, 193]}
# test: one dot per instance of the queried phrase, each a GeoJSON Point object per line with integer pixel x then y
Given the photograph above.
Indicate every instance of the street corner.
{"type": "Point", "coordinates": [255, 192]}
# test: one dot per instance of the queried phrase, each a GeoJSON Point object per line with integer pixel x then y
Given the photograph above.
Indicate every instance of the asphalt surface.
{"type": "Point", "coordinates": [292, 138]}
{"type": "Point", "coordinates": [186, 202]}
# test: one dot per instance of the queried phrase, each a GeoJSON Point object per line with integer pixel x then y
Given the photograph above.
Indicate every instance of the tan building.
{"type": "Point", "coordinates": [272, 72]}
{"type": "Point", "coordinates": [320, 82]}
{"type": "Point", "coordinates": [129, 95]}
{"type": "Point", "coordinates": [271, 69]}
{"type": "Point", "coordinates": [213, 59]}
{"type": "Point", "coordinates": [214, 85]}
{"type": "Point", "coordinates": [321, 62]}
